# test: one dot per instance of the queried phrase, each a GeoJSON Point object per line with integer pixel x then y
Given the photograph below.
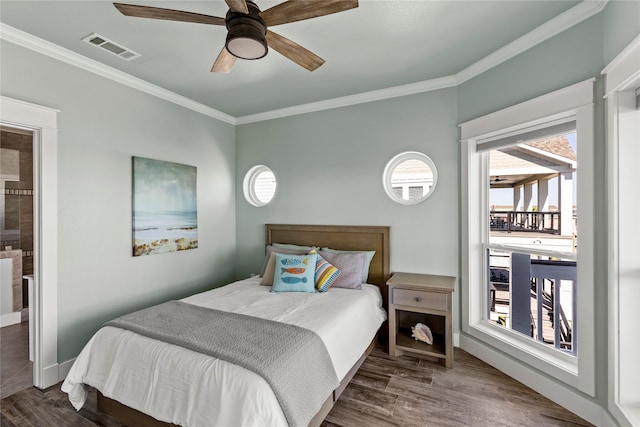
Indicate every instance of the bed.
{"type": "Point", "coordinates": [143, 381]}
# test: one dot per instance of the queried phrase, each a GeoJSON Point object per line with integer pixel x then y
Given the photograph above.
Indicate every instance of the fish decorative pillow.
{"type": "Point", "coordinates": [294, 273]}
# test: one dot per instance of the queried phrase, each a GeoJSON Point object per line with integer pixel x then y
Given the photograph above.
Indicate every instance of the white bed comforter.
{"type": "Point", "coordinates": [162, 379]}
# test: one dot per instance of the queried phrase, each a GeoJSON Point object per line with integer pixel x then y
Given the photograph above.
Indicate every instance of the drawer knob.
{"type": "Point", "coordinates": [418, 299]}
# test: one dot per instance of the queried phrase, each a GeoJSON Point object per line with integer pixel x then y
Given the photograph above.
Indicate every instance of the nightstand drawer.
{"type": "Point", "coordinates": [421, 299]}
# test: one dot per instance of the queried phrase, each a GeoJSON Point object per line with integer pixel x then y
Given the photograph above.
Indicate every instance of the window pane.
{"type": "Point", "coordinates": [534, 295]}
{"type": "Point", "coordinates": [532, 199]}
{"type": "Point", "coordinates": [414, 176]}
{"type": "Point", "coordinates": [265, 186]}
{"type": "Point", "coordinates": [532, 193]}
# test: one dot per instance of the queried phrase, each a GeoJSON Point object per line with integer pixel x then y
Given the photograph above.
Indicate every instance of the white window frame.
{"type": "Point", "coordinates": [389, 186]}
{"type": "Point", "coordinates": [577, 102]}
{"type": "Point", "coordinates": [622, 91]}
{"type": "Point", "coordinates": [249, 185]}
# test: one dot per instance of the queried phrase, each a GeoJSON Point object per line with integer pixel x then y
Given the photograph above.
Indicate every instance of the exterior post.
{"type": "Point", "coordinates": [565, 202]}
{"type": "Point", "coordinates": [543, 195]}
{"type": "Point", "coordinates": [528, 197]}
{"type": "Point", "coordinates": [516, 198]}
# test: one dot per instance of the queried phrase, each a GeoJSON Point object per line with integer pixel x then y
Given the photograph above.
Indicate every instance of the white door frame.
{"type": "Point", "coordinates": [43, 122]}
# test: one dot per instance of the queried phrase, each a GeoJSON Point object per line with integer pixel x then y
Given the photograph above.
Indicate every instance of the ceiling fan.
{"type": "Point", "coordinates": [248, 36]}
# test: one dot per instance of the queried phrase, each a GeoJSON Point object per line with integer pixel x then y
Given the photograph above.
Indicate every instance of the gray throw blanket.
{"type": "Point", "coordinates": [293, 360]}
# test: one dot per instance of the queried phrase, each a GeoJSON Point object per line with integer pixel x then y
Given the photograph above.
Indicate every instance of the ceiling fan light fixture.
{"type": "Point", "coordinates": [246, 42]}
{"type": "Point", "coordinates": [247, 34]}
{"type": "Point", "coordinates": [246, 38]}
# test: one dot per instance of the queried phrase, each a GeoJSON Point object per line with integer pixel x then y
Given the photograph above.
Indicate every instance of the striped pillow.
{"type": "Point", "coordinates": [326, 273]}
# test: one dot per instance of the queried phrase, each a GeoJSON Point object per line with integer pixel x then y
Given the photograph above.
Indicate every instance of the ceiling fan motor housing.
{"type": "Point", "coordinates": [246, 33]}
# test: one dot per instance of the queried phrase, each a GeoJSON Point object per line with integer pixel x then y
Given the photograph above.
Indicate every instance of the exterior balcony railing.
{"type": "Point", "coordinates": [523, 221]}
{"type": "Point", "coordinates": [535, 297]}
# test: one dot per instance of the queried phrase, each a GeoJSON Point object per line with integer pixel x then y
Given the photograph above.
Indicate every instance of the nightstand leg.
{"type": "Point", "coordinates": [392, 333]}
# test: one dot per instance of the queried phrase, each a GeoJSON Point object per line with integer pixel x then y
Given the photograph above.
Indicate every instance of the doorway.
{"type": "Point", "coordinates": [16, 257]}
{"type": "Point", "coordinates": [42, 123]}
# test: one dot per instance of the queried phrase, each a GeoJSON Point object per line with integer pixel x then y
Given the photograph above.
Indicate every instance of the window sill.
{"type": "Point", "coordinates": [563, 367]}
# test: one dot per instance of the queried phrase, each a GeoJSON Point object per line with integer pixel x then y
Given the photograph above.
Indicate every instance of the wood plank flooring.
{"type": "Point", "coordinates": [403, 392]}
{"type": "Point", "coordinates": [416, 392]}
{"type": "Point", "coordinates": [15, 369]}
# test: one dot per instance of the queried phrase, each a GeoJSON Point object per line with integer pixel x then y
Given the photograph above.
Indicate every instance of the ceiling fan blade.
{"type": "Point", "coordinates": [298, 10]}
{"type": "Point", "coordinates": [238, 6]}
{"type": "Point", "coordinates": [224, 62]}
{"type": "Point", "coordinates": [294, 51]}
{"type": "Point", "coordinates": [168, 14]}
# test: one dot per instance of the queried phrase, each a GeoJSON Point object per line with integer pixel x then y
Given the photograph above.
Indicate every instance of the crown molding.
{"type": "Point", "coordinates": [344, 101]}
{"type": "Point", "coordinates": [52, 50]}
{"type": "Point", "coordinates": [556, 25]}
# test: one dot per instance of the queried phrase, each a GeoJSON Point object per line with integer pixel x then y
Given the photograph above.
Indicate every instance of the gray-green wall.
{"type": "Point", "coordinates": [570, 57]}
{"type": "Point", "coordinates": [329, 168]}
{"type": "Point", "coordinates": [621, 24]}
{"type": "Point", "coordinates": [101, 125]}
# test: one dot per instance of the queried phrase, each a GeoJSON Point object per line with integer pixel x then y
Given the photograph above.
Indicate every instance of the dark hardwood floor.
{"type": "Point", "coordinates": [416, 392]}
{"type": "Point", "coordinates": [15, 367]}
{"type": "Point", "coordinates": [384, 392]}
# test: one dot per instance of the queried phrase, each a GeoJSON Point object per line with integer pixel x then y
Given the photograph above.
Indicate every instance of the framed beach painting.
{"type": "Point", "coordinates": [165, 214]}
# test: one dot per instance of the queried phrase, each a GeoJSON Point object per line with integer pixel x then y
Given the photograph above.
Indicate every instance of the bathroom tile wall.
{"type": "Point", "coordinates": [17, 231]}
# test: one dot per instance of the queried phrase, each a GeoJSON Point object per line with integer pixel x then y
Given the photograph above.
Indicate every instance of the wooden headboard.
{"type": "Point", "coordinates": [345, 237]}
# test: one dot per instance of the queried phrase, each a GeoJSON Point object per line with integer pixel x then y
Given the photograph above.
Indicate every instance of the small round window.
{"type": "Point", "coordinates": [410, 178]}
{"type": "Point", "coordinates": [259, 185]}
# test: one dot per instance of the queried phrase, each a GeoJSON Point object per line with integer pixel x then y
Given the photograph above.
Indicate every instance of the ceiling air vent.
{"type": "Point", "coordinates": [111, 47]}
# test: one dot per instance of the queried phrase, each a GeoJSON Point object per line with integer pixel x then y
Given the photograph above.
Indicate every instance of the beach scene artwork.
{"type": "Point", "coordinates": [165, 214]}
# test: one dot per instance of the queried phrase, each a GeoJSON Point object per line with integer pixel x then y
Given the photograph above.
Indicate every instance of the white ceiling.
{"type": "Point", "coordinates": [381, 44]}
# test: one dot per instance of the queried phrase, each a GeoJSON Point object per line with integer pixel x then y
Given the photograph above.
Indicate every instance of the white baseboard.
{"type": "Point", "coordinates": [50, 376]}
{"type": "Point", "coordinates": [10, 319]}
{"type": "Point", "coordinates": [563, 395]}
{"type": "Point", "coordinates": [64, 368]}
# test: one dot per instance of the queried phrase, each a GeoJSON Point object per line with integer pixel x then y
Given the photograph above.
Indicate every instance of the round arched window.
{"type": "Point", "coordinates": [259, 185]}
{"type": "Point", "coordinates": [410, 178]}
